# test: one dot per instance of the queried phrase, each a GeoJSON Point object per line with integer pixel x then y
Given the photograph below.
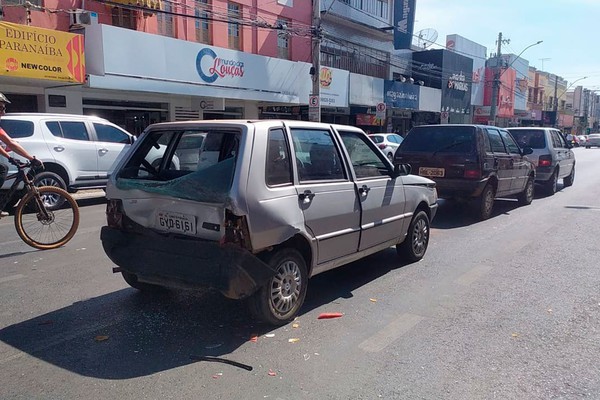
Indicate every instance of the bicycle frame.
{"type": "Point", "coordinates": [20, 176]}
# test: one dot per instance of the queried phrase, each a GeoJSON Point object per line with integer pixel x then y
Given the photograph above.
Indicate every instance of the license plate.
{"type": "Point", "coordinates": [176, 222]}
{"type": "Point", "coordinates": [428, 171]}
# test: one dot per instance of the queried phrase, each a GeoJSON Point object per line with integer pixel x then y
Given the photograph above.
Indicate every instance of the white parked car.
{"type": "Point", "coordinates": [78, 151]}
{"type": "Point", "coordinates": [388, 143]}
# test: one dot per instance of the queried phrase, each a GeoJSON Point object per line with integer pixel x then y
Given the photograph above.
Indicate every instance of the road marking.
{"type": "Point", "coordinates": [471, 276]}
{"type": "Point", "coordinates": [11, 278]}
{"type": "Point", "coordinates": [390, 333]}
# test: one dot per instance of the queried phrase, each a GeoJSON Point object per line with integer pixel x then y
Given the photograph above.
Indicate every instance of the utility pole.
{"type": "Point", "coordinates": [314, 105]}
{"type": "Point", "coordinates": [496, 82]}
{"type": "Point", "coordinates": [555, 101]}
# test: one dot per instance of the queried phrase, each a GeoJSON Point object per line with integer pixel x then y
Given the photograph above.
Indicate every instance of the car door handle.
{"type": "Point", "coordinates": [59, 148]}
{"type": "Point", "coordinates": [306, 197]}
{"type": "Point", "coordinates": [364, 190]}
{"type": "Point", "coordinates": [103, 151]}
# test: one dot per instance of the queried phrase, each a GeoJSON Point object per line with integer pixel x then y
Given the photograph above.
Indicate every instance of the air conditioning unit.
{"type": "Point", "coordinates": [81, 18]}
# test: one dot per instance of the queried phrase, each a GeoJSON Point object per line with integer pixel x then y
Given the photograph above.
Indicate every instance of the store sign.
{"type": "Point", "coordinates": [30, 52]}
{"type": "Point", "coordinates": [401, 95]}
{"type": "Point", "coordinates": [404, 21]}
{"type": "Point", "coordinates": [212, 67]}
{"type": "Point", "coordinates": [369, 120]}
{"type": "Point", "coordinates": [334, 85]}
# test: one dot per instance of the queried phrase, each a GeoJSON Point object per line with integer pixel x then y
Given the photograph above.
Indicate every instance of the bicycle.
{"type": "Point", "coordinates": [46, 217]}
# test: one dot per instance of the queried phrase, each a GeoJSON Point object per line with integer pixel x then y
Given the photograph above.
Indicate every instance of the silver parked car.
{"type": "Point", "coordinates": [552, 155]}
{"type": "Point", "coordinates": [269, 205]}
{"type": "Point", "coordinates": [593, 140]}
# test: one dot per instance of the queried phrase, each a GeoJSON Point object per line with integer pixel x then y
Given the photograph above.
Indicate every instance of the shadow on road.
{"type": "Point", "coordinates": [454, 214]}
{"type": "Point", "coordinates": [128, 334]}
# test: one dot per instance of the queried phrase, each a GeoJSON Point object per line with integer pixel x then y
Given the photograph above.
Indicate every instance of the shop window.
{"type": "Point", "coordinates": [203, 23]}
{"type": "Point", "coordinates": [234, 28]}
{"type": "Point", "coordinates": [124, 18]}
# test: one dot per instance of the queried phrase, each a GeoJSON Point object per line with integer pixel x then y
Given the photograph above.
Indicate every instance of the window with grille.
{"type": "Point", "coordinates": [283, 39]}
{"type": "Point", "coordinates": [355, 58]}
{"type": "Point", "coordinates": [124, 18]}
{"type": "Point", "coordinates": [203, 23]}
{"type": "Point", "coordinates": [234, 32]}
{"type": "Point", "coordinates": [165, 20]}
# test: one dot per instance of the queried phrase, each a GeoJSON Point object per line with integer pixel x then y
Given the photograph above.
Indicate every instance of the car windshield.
{"type": "Point", "coordinates": [191, 164]}
{"type": "Point", "coordinates": [449, 139]}
{"type": "Point", "coordinates": [533, 138]}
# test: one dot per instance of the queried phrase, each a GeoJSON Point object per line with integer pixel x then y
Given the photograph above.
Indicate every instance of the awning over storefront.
{"type": "Point", "coordinates": [37, 53]}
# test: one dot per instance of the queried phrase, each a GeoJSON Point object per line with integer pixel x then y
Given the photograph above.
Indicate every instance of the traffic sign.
{"type": "Point", "coordinates": [380, 107]}
{"type": "Point", "coordinates": [313, 101]}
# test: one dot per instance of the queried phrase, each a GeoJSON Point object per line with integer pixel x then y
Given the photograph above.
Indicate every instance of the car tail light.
{"type": "Point", "coordinates": [545, 161]}
{"type": "Point", "coordinates": [382, 146]}
{"type": "Point", "coordinates": [472, 173]}
{"type": "Point", "coordinates": [114, 214]}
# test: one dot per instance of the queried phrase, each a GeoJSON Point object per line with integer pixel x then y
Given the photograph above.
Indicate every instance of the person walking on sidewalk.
{"type": "Point", "coordinates": [6, 140]}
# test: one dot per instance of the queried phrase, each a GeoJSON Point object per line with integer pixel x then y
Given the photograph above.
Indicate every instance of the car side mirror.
{"type": "Point", "coordinates": [526, 150]}
{"type": "Point", "coordinates": [402, 169]}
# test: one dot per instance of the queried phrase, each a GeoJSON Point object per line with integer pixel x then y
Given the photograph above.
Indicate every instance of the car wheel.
{"type": "Point", "coordinates": [587, 147]}
{"type": "Point", "coordinates": [278, 301]}
{"type": "Point", "coordinates": [526, 196]}
{"type": "Point", "coordinates": [568, 180]}
{"type": "Point", "coordinates": [551, 184]}
{"type": "Point", "coordinates": [47, 178]}
{"type": "Point", "coordinates": [414, 246]}
{"type": "Point", "coordinates": [132, 281]}
{"type": "Point", "coordinates": [485, 203]}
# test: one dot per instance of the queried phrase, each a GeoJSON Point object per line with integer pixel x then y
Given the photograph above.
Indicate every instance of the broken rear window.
{"type": "Point", "coordinates": [190, 164]}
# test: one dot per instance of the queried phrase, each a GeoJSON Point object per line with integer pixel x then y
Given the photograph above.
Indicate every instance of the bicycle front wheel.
{"type": "Point", "coordinates": [40, 225]}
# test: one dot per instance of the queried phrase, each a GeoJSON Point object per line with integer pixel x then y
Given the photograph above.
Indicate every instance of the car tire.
{"type": "Point", "coordinates": [48, 178]}
{"type": "Point", "coordinates": [132, 281]}
{"type": "Point", "coordinates": [568, 180]}
{"type": "Point", "coordinates": [526, 196]}
{"type": "Point", "coordinates": [279, 300]}
{"type": "Point", "coordinates": [484, 204]}
{"type": "Point", "coordinates": [550, 186]}
{"type": "Point", "coordinates": [414, 246]}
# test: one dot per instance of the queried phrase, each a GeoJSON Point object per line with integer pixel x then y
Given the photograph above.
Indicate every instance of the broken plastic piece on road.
{"type": "Point", "coordinates": [254, 338]}
{"type": "Point", "coordinates": [101, 338]}
{"type": "Point", "coordinates": [373, 300]}
{"type": "Point", "coordinates": [293, 340]}
{"type": "Point", "coordinates": [330, 315]}
{"type": "Point", "coordinates": [295, 325]}
{"type": "Point", "coordinates": [270, 335]}
{"type": "Point", "coordinates": [272, 373]}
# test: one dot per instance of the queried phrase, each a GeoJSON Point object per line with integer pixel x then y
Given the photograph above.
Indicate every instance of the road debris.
{"type": "Point", "coordinates": [330, 315]}
{"type": "Point", "coordinates": [221, 360]}
{"type": "Point", "coordinates": [293, 340]}
{"type": "Point", "coordinates": [101, 338]}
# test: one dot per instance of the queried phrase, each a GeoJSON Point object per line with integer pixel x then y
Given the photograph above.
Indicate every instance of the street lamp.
{"type": "Point", "coordinates": [558, 97]}
{"type": "Point", "coordinates": [496, 82]}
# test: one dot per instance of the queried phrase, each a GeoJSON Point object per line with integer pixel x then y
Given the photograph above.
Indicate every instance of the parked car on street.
{"type": "Point", "coordinates": [474, 163]}
{"type": "Point", "coordinates": [582, 140]}
{"type": "Point", "coordinates": [387, 142]}
{"type": "Point", "coordinates": [77, 151]}
{"type": "Point", "coordinates": [552, 155]}
{"type": "Point", "coordinates": [274, 203]}
{"type": "Point", "coordinates": [593, 140]}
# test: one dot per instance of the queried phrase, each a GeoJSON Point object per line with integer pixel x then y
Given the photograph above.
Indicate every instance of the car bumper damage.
{"type": "Point", "coordinates": [179, 262]}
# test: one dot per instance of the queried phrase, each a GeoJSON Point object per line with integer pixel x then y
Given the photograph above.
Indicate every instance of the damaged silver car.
{"type": "Point", "coordinates": [267, 205]}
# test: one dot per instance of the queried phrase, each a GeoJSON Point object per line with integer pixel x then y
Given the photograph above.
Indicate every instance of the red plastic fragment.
{"type": "Point", "coordinates": [330, 315]}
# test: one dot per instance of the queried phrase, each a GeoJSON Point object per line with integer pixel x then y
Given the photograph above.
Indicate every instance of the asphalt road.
{"type": "Point", "coordinates": [506, 308]}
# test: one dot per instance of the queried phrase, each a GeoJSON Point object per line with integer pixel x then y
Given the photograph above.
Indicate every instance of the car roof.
{"type": "Point", "coordinates": [53, 115]}
{"type": "Point", "coordinates": [247, 122]}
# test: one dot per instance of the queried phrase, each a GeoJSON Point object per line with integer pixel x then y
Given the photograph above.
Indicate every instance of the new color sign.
{"type": "Point", "coordinates": [30, 52]}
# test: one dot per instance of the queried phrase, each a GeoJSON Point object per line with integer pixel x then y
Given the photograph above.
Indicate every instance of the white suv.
{"type": "Point", "coordinates": [77, 151]}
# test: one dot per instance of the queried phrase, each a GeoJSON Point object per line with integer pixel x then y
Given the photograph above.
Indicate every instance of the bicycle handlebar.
{"type": "Point", "coordinates": [27, 164]}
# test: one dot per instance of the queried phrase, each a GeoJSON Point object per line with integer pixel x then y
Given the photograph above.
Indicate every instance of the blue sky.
{"type": "Point", "coordinates": [569, 30]}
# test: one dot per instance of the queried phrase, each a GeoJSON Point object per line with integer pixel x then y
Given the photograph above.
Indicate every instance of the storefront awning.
{"type": "Point", "coordinates": [152, 4]}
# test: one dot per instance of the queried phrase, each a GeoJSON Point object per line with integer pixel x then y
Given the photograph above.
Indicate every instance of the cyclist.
{"type": "Point", "coordinates": [14, 146]}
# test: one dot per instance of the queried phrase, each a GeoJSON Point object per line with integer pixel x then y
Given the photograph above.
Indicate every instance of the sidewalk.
{"type": "Point", "coordinates": [88, 194]}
